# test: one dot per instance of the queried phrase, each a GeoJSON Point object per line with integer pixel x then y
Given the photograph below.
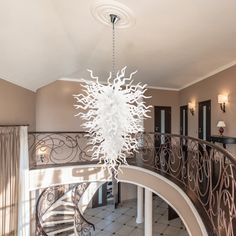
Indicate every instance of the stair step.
{"type": "Point", "coordinates": [65, 208]}
{"type": "Point", "coordinates": [59, 213]}
{"type": "Point", "coordinates": [70, 232]}
{"type": "Point", "coordinates": [56, 222]}
{"type": "Point", "coordinates": [60, 217]}
{"type": "Point", "coordinates": [52, 230]}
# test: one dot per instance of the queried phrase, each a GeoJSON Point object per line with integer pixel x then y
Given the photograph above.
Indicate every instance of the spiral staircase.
{"type": "Point", "coordinates": [59, 210]}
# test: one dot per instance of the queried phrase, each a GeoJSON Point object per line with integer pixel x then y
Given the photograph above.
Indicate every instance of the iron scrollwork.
{"type": "Point", "coordinates": [57, 211]}
{"type": "Point", "coordinates": [205, 171]}
{"type": "Point", "coordinates": [57, 148]}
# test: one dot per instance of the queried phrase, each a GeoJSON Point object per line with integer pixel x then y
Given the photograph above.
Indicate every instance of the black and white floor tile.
{"type": "Point", "coordinates": [122, 221]}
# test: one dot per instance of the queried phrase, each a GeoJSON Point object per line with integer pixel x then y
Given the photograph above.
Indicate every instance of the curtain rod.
{"type": "Point", "coordinates": [13, 125]}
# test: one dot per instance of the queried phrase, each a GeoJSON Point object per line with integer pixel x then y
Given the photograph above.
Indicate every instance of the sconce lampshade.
{"type": "Point", "coordinates": [222, 99]}
{"type": "Point", "coordinates": [191, 105]}
{"type": "Point", "coordinates": [220, 124]}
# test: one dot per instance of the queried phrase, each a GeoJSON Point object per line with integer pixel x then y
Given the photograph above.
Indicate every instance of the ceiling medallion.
{"type": "Point", "coordinates": [101, 11]}
{"type": "Point", "coordinates": [113, 113]}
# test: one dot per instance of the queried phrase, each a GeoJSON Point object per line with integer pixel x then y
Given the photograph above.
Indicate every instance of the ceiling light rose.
{"type": "Point", "coordinates": [101, 10]}
{"type": "Point", "coordinates": [113, 113]}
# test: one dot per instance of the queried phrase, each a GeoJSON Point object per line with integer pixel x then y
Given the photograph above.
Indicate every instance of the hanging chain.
{"type": "Point", "coordinates": [114, 19]}
{"type": "Point", "coordinates": [113, 51]}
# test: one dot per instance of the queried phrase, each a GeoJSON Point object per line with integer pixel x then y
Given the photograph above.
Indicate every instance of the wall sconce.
{"type": "Point", "coordinates": [222, 100]}
{"type": "Point", "coordinates": [42, 154]}
{"type": "Point", "coordinates": [191, 107]}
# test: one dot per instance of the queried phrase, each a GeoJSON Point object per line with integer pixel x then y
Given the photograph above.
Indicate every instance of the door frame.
{"type": "Point", "coordinates": [184, 107]}
{"type": "Point", "coordinates": [200, 135]}
{"type": "Point", "coordinates": [162, 107]}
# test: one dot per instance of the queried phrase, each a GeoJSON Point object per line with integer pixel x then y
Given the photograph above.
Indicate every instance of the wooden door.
{"type": "Point", "coordinates": [184, 120]}
{"type": "Point", "coordinates": [162, 119]}
{"type": "Point", "coordinates": [162, 124]}
{"type": "Point", "coordinates": [204, 133]}
{"type": "Point", "coordinates": [204, 120]}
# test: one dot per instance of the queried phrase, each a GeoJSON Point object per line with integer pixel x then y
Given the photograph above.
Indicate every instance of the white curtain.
{"type": "Point", "coordinates": [24, 199]}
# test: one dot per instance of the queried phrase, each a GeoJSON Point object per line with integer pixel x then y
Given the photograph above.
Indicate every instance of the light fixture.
{"type": "Point", "coordinates": [221, 125]}
{"type": "Point", "coordinates": [42, 154]}
{"type": "Point", "coordinates": [191, 107]}
{"type": "Point", "coordinates": [113, 113]}
{"type": "Point", "coordinates": [222, 100]}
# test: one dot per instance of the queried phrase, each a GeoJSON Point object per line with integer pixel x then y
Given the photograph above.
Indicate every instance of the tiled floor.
{"type": "Point", "coordinates": [121, 221]}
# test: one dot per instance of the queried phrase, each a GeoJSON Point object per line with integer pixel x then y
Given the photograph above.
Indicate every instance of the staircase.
{"type": "Point", "coordinates": [59, 210]}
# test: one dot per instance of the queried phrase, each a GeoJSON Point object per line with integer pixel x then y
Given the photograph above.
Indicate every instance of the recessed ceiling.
{"type": "Point", "coordinates": [172, 43]}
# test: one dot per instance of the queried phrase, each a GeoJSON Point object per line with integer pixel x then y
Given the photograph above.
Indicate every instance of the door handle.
{"type": "Point", "coordinates": [157, 129]}
{"type": "Point", "coordinates": [199, 130]}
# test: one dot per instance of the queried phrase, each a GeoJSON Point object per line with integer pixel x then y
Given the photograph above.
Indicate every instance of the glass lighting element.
{"type": "Point", "coordinates": [112, 114]}
{"type": "Point", "coordinates": [191, 107]}
{"type": "Point", "coordinates": [222, 100]}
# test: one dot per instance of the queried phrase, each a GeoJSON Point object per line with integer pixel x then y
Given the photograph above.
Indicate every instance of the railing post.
{"type": "Point", "coordinates": [139, 218]}
{"type": "Point", "coordinates": [148, 213]}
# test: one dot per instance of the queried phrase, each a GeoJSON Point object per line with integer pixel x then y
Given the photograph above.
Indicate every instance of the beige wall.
{"type": "Point", "coordinates": [128, 191]}
{"type": "Point", "coordinates": [221, 83]}
{"type": "Point", "coordinates": [54, 107]}
{"type": "Point", "coordinates": [163, 98]}
{"type": "Point", "coordinates": [55, 110]}
{"type": "Point", "coordinates": [17, 105]}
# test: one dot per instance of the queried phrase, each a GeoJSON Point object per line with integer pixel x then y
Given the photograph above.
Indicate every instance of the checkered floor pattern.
{"type": "Point", "coordinates": [121, 222]}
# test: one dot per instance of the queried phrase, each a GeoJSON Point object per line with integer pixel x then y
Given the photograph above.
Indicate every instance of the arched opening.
{"type": "Point", "coordinates": [158, 184]}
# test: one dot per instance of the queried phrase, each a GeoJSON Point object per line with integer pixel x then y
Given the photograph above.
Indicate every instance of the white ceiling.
{"type": "Point", "coordinates": [172, 44]}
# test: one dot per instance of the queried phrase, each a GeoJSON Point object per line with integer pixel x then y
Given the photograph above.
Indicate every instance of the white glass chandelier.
{"type": "Point", "coordinates": [113, 113]}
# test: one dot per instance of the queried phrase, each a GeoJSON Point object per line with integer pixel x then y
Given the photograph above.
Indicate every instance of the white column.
{"type": "Point", "coordinates": [148, 213]}
{"type": "Point", "coordinates": [139, 218]}
{"type": "Point", "coordinates": [24, 194]}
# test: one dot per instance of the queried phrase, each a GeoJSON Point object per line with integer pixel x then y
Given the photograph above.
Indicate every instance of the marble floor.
{"type": "Point", "coordinates": [121, 221]}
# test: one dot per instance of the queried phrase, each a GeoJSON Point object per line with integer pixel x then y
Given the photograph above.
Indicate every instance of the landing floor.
{"type": "Point", "coordinates": [122, 221]}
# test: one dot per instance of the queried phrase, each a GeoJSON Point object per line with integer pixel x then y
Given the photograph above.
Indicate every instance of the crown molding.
{"type": "Point", "coordinates": [163, 88]}
{"type": "Point", "coordinates": [214, 72]}
{"type": "Point", "coordinates": [104, 82]}
{"type": "Point", "coordinates": [79, 80]}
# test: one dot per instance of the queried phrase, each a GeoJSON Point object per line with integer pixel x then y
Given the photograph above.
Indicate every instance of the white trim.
{"type": "Point", "coordinates": [214, 72]}
{"type": "Point", "coordinates": [80, 80]}
{"type": "Point", "coordinates": [104, 82]}
{"type": "Point", "coordinates": [71, 79]}
{"type": "Point", "coordinates": [163, 88]}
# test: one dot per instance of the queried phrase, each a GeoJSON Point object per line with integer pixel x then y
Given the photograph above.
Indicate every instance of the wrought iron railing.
{"type": "Point", "coordinates": [206, 172]}
{"type": "Point", "coordinates": [58, 148]}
